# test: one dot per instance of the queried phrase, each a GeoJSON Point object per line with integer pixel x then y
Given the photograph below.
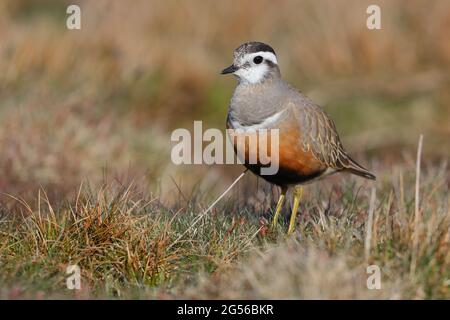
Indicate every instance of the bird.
{"type": "Point", "coordinates": [309, 145]}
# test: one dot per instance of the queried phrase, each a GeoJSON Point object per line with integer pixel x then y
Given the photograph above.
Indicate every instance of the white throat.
{"type": "Point", "coordinates": [254, 73]}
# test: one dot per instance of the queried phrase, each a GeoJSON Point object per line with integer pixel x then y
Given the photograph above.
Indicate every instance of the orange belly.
{"type": "Point", "coordinates": [295, 165]}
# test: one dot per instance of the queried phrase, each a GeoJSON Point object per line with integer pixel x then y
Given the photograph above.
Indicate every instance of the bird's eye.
{"type": "Point", "coordinates": [258, 59]}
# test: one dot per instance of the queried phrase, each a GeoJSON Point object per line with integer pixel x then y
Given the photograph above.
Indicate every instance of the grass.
{"type": "Point", "coordinates": [127, 246]}
{"type": "Point", "coordinates": [118, 241]}
{"type": "Point", "coordinates": [85, 176]}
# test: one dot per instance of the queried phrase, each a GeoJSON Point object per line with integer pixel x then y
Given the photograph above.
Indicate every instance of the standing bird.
{"type": "Point", "coordinates": [309, 146]}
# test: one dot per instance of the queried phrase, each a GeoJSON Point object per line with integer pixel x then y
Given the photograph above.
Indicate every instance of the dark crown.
{"type": "Point", "coordinates": [252, 47]}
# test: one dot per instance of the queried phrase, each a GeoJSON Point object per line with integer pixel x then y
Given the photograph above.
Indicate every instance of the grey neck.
{"type": "Point", "coordinates": [253, 103]}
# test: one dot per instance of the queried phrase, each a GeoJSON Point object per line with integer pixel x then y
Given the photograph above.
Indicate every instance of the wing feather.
{"type": "Point", "coordinates": [319, 135]}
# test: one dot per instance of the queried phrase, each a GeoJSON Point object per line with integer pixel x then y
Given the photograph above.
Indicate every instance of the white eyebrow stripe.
{"type": "Point", "coordinates": [267, 55]}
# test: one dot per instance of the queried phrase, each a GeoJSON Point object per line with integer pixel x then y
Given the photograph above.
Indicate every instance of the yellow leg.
{"type": "Point", "coordinates": [279, 206]}
{"type": "Point", "coordinates": [298, 191]}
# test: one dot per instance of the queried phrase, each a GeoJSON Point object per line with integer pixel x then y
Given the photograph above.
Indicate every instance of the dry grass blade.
{"type": "Point", "coordinates": [417, 223]}
{"type": "Point", "coordinates": [369, 225]}
{"type": "Point", "coordinates": [200, 216]}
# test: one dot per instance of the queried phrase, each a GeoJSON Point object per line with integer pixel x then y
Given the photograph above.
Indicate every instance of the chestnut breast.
{"type": "Point", "coordinates": [295, 163]}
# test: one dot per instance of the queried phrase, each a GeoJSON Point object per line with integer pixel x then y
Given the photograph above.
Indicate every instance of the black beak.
{"type": "Point", "coordinates": [230, 69]}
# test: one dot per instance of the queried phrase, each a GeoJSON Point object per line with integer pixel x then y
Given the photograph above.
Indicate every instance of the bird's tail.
{"type": "Point", "coordinates": [353, 167]}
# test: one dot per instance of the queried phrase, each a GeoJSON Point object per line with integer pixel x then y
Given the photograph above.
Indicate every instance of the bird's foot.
{"type": "Point", "coordinates": [298, 191]}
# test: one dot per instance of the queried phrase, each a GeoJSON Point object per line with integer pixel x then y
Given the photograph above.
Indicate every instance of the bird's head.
{"type": "Point", "coordinates": [254, 62]}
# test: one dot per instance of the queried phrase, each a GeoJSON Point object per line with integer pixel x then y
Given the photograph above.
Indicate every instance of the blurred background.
{"type": "Point", "coordinates": [99, 104]}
